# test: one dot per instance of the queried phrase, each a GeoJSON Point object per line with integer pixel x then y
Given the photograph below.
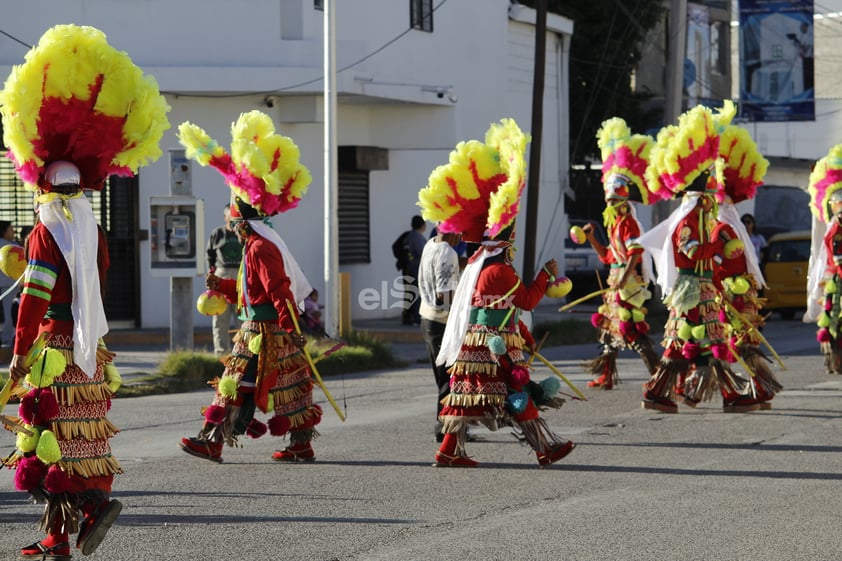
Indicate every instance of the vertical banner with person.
{"type": "Point", "coordinates": [776, 60]}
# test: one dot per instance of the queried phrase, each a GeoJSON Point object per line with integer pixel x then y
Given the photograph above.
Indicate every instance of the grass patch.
{"type": "Point", "coordinates": [184, 371]}
{"type": "Point", "coordinates": [569, 331]}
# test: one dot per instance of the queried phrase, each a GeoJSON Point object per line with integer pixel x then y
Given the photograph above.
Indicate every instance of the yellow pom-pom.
{"type": "Point", "coordinates": [227, 387]}
{"type": "Point", "coordinates": [685, 331]}
{"type": "Point", "coordinates": [624, 314]}
{"type": "Point", "coordinates": [699, 332]}
{"type": "Point", "coordinates": [112, 377]}
{"type": "Point", "coordinates": [26, 443]}
{"type": "Point", "coordinates": [824, 320]}
{"type": "Point", "coordinates": [255, 344]}
{"type": "Point", "coordinates": [49, 364]}
{"type": "Point", "coordinates": [47, 448]}
{"type": "Point", "coordinates": [638, 316]}
{"type": "Point", "coordinates": [740, 286]}
{"type": "Point", "coordinates": [830, 287]}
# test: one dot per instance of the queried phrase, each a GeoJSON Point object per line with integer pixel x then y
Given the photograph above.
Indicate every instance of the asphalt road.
{"type": "Point", "coordinates": [700, 485]}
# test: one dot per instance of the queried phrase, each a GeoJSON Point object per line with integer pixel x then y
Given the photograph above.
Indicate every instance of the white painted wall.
{"type": "Point", "coordinates": [215, 59]}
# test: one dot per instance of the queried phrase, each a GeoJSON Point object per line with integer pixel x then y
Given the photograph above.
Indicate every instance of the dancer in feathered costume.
{"type": "Point", "coordinates": [267, 369]}
{"type": "Point", "coordinates": [686, 161]}
{"type": "Point", "coordinates": [621, 319]}
{"type": "Point", "coordinates": [74, 113]}
{"type": "Point", "coordinates": [738, 276]}
{"type": "Point", "coordinates": [477, 194]}
{"type": "Point", "coordinates": [825, 277]}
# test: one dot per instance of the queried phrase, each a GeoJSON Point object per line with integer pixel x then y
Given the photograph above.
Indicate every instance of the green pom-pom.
{"type": "Point", "coordinates": [638, 316]}
{"type": "Point", "coordinates": [25, 443]}
{"type": "Point", "coordinates": [624, 314]}
{"type": "Point", "coordinates": [685, 332]}
{"type": "Point", "coordinates": [496, 345]}
{"type": "Point", "coordinates": [699, 332]}
{"type": "Point", "coordinates": [740, 286]}
{"type": "Point", "coordinates": [830, 287]}
{"type": "Point", "coordinates": [550, 387]}
{"type": "Point", "coordinates": [49, 364]}
{"type": "Point", "coordinates": [254, 344]}
{"type": "Point", "coordinates": [227, 387]}
{"type": "Point", "coordinates": [824, 320]}
{"type": "Point", "coordinates": [47, 448]}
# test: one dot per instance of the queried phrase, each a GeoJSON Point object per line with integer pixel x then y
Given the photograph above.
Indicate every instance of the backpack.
{"type": "Point", "coordinates": [401, 251]}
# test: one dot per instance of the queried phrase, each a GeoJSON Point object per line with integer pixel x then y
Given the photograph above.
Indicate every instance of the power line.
{"type": "Point", "coordinates": [13, 38]}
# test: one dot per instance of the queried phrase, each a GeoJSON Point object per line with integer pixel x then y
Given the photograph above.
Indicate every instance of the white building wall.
{"type": "Point", "coordinates": [215, 59]}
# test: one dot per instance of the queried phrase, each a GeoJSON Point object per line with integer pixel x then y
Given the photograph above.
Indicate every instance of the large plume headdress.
{"type": "Point", "coordinates": [78, 99]}
{"type": "Point", "coordinates": [825, 183]}
{"type": "Point", "coordinates": [263, 169]}
{"type": "Point", "coordinates": [477, 193]}
{"type": "Point", "coordinates": [624, 160]}
{"type": "Point", "coordinates": [684, 153]}
{"type": "Point", "coordinates": [745, 166]}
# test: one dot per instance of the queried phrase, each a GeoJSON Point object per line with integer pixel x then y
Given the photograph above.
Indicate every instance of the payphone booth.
{"type": "Point", "coordinates": [176, 236]}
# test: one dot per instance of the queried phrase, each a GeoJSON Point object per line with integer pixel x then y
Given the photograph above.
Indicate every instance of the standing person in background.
{"type": "Point", "coordinates": [758, 241]}
{"type": "Point", "coordinates": [7, 336]}
{"type": "Point", "coordinates": [224, 254]}
{"type": "Point", "coordinates": [413, 246]}
{"type": "Point", "coordinates": [438, 275]}
{"type": "Point", "coordinates": [97, 116]}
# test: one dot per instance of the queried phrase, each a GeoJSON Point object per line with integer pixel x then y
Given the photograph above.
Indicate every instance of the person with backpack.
{"type": "Point", "coordinates": [407, 250]}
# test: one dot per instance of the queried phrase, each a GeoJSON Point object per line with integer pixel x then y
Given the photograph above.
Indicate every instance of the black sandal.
{"type": "Point", "coordinates": [45, 553]}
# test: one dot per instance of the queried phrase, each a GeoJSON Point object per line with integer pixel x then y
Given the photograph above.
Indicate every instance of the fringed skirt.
{"type": "Point", "coordinates": [694, 327]}
{"type": "Point", "coordinates": [86, 468]}
{"type": "Point", "coordinates": [273, 374]}
{"type": "Point", "coordinates": [830, 325]}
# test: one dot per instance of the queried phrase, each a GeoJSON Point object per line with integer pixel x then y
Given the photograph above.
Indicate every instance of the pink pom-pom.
{"type": "Point", "coordinates": [642, 327]}
{"type": "Point", "coordinates": [722, 352]}
{"type": "Point", "coordinates": [29, 473]}
{"type": "Point", "coordinates": [828, 305]}
{"type": "Point", "coordinates": [256, 429]}
{"type": "Point", "coordinates": [823, 336]}
{"type": "Point", "coordinates": [57, 481]}
{"type": "Point", "coordinates": [723, 317]}
{"type": "Point", "coordinates": [279, 425]}
{"type": "Point", "coordinates": [39, 407]}
{"type": "Point", "coordinates": [215, 414]}
{"type": "Point", "coordinates": [597, 319]}
{"type": "Point", "coordinates": [626, 328]}
{"type": "Point", "coordinates": [690, 350]}
{"type": "Point", "coordinates": [519, 376]}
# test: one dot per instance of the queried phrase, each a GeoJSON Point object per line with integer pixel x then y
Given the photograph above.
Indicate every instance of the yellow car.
{"type": "Point", "coordinates": [785, 268]}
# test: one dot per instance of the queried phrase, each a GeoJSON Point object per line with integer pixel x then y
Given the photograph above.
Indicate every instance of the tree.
{"type": "Point", "coordinates": [604, 51]}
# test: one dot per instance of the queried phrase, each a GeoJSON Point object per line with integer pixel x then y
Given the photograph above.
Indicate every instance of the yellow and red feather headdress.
{"type": "Point", "coordinates": [78, 99]}
{"type": "Point", "coordinates": [825, 181]}
{"type": "Point", "coordinates": [745, 166]}
{"type": "Point", "coordinates": [625, 157]}
{"type": "Point", "coordinates": [477, 193]}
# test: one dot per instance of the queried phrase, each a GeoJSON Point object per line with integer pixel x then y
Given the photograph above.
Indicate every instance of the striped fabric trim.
{"type": "Point", "coordinates": [40, 279]}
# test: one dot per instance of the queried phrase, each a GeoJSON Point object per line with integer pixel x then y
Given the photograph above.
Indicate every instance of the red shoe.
{"type": "Point", "coordinates": [295, 453]}
{"type": "Point", "coordinates": [661, 404]}
{"type": "Point", "coordinates": [556, 453]}
{"type": "Point", "coordinates": [443, 460]}
{"type": "Point", "coordinates": [741, 405]}
{"type": "Point", "coordinates": [604, 382]}
{"type": "Point", "coordinates": [202, 449]}
{"type": "Point", "coordinates": [52, 548]}
{"type": "Point", "coordinates": [94, 527]}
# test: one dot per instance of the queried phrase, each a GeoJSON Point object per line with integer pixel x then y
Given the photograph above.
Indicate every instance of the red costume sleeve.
{"type": "Point", "coordinates": [833, 244]}
{"type": "Point", "coordinates": [498, 279]}
{"type": "Point", "coordinates": [46, 280]}
{"type": "Point", "coordinates": [528, 339]}
{"type": "Point", "coordinates": [690, 248]}
{"type": "Point", "coordinates": [628, 231]}
{"type": "Point", "coordinates": [271, 274]}
{"type": "Point", "coordinates": [228, 287]}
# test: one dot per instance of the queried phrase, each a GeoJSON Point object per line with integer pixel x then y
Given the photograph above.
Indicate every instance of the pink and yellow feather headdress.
{"type": "Point", "coordinates": [745, 166]}
{"type": "Point", "coordinates": [78, 99]}
{"type": "Point", "coordinates": [477, 193]}
{"type": "Point", "coordinates": [624, 160]}
{"type": "Point", "coordinates": [825, 181]}
{"type": "Point", "coordinates": [685, 151]}
{"type": "Point", "coordinates": [263, 168]}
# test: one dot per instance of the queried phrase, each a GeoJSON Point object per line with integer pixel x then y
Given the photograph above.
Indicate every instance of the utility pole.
{"type": "Point", "coordinates": [331, 220]}
{"type": "Point", "coordinates": [534, 181]}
